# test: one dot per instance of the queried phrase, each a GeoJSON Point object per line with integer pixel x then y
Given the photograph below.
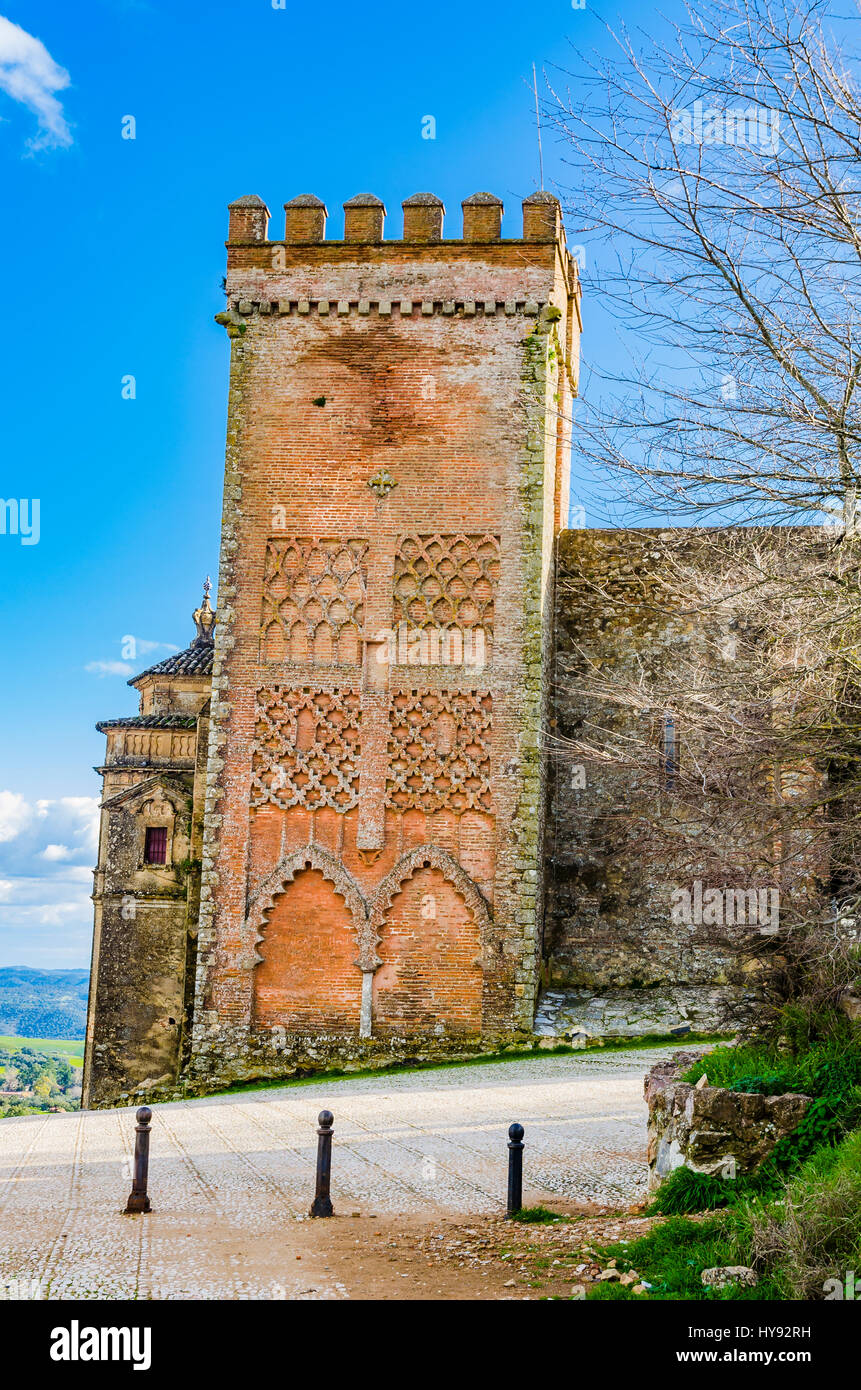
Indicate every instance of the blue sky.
{"type": "Point", "coordinates": [113, 256]}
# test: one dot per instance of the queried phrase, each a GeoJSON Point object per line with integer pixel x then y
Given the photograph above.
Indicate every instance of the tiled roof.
{"type": "Point", "coordinates": [196, 660]}
{"type": "Point", "coordinates": [149, 721]}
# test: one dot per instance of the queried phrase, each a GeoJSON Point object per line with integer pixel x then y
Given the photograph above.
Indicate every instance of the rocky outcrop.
{"type": "Point", "coordinates": [709, 1129]}
{"type": "Point", "coordinates": [851, 1005]}
{"type": "Point", "coordinates": [634, 1013]}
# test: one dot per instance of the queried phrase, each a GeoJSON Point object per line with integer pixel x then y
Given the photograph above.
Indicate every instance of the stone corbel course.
{"type": "Point", "coordinates": [711, 1130]}
{"type": "Point", "coordinates": [466, 308]}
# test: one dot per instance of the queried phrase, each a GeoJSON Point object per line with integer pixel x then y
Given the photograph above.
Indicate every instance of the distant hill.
{"type": "Point", "coordinates": [43, 1003]}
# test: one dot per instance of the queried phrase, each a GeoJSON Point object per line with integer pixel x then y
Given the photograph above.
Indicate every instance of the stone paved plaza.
{"type": "Point", "coordinates": [232, 1177]}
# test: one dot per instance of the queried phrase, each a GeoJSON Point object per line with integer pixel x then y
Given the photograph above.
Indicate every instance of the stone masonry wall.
{"type": "Point", "coordinates": [710, 1130]}
{"type": "Point", "coordinates": [140, 942]}
{"type": "Point", "coordinates": [616, 960]}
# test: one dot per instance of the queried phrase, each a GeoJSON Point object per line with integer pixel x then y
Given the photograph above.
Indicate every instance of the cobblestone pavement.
{"type": "Point", "coordinates": [231, 1177]}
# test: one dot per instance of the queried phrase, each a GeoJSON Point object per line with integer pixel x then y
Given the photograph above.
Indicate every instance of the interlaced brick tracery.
{"type": "Point", "coordinates": [313, 599]}
{"type": "Point", "coordinates": [439, 751]}
{"type": "Point", "coordinates": [306, 748]}
{"type": "Point", "coordinates": [447, 581]}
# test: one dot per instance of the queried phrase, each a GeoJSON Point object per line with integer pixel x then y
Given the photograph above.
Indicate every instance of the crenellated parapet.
{"type": "Point", "coordinates": [305, 220]}
{"type": "Point", "coordinates": [422, 274]}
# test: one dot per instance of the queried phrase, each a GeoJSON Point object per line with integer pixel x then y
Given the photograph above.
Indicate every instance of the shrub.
{"type": "Point", "coordinates": [685, 1191]}
{"type": "Point", "coordinates": [814, 1234]}
{"type": "Point", "coordinates": [830, 1073]}
{"type": "Point", "coordinates": [828, 1069]}
{"type": "Point", "coordinates": [671, 1258]}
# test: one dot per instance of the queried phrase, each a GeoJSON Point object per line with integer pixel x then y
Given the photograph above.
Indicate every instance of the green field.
{"type": "Point", "coordinates": [73, 1048]}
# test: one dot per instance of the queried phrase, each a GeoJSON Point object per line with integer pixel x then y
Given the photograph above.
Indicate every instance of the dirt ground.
{"type": "Point", "coordinates": [483, 1258]}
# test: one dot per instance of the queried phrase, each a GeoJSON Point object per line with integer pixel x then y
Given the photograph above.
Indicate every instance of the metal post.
{"type": "Point", "coordinates": [322, 1205]}
{"type": "Point", "coordinates": [515, 1169]}
{"type": "Point", "coordinates": [138, 1199]}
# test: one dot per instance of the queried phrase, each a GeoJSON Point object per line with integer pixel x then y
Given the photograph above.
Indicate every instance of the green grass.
{"type": "Point", "coordinates": [798, 1240]}
{"type": "Point", "coordinates": [814, 1233]}
{"type": "Point", "coordinates": [538, 1216]}
{"type": "Point", "coordinates": [684, 1192]}
{"type": "Point", "coordinates": [72, 1048]}
{"type": "Point", "coordinates": [797, 1219]}
{"type": "Point", "coordinates": [825, 1069]}
{"type": "Point", "coordinates": [829, 1071]}
{"type": "Point", "coordinates": [671, 1260]}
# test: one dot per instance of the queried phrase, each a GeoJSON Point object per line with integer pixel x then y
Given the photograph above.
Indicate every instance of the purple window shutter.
{"type": "Point", "coordinates": [155, 850]}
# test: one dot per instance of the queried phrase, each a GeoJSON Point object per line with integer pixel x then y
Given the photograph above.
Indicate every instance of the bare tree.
{"type": "Point", "coordinates": [717, 168]}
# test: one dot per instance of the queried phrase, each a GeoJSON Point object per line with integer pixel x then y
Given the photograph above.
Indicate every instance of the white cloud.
{"type": "Point", "coordinates": [47, 855]}
{"type": "Point", "coordinates": [56, 914]}
{"type": "Point", "coordinates": [144, 646]}
{"type": "Point", "coordinates": [110, 668]}
{"type": "Point", "coordinates": [49, 835]}
{"type": "Point", "coordinates": [132, 649]}
{"type": "Point", "coordinates": [83, 805]}
{"type": "Point", "coordinates": [29, 74]}
{"type": "Point", "coordinates": [15, 814]}
{"type": "Point", "coordinates": [26, 901]}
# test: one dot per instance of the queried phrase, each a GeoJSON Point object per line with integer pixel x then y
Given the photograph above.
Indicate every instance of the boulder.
{"type": "Point", "coordinates": [721, 1275]}
{"type": "Point", "coordinates": [851, 1005]}
{"type": "Point", "coordinates": [709, 1129]}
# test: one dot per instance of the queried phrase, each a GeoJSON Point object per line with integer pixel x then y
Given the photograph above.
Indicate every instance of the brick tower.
{"type": "Point", "coordinates": [397, 467]}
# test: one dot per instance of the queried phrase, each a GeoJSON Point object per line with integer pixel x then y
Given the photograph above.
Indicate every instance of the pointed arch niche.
{"type": "Point", "coordinates": [307, 919]}
{"type": "Point", "coordinates": [429, 920]}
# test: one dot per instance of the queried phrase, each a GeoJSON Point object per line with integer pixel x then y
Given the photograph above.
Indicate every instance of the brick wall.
{"type": "Point", "coordinates": [396, 470]}
{"type": "Point", "coordinates": [307, 977]}
{"type": "Point", "coordinates": [430, 980]}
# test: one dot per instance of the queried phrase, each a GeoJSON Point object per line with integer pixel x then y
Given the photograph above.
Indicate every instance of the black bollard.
{"type": "Point", "coordinates": [515, 1169]}
{"type": "Point", "coordinates": [138, 1199]}
{"type": "Point", "coordinates": [322, 1204]}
